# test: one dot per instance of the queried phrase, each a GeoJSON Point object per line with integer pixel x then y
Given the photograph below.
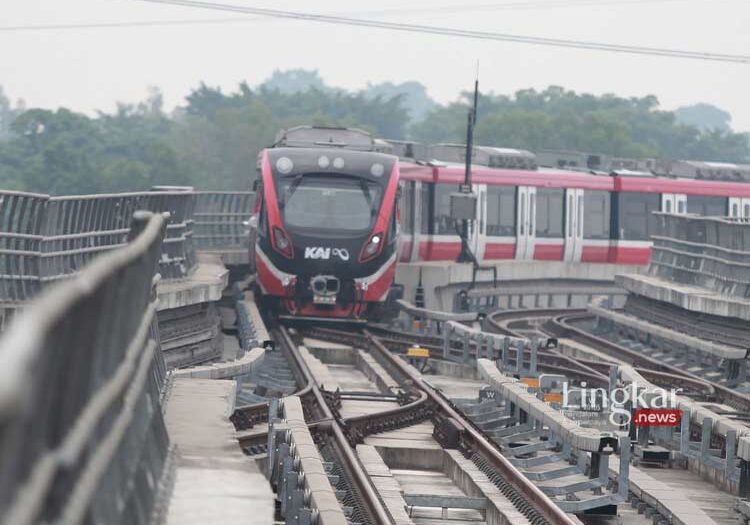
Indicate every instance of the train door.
{"type": "Point", "coordinates": [746, 208]}
{"type": "Point", "coordinates": [417, 205]}
{"type": "Point", "coordinates": [674, 203]}
{"type": "Point", "coordinates": [668, 203]}
{"type": "Point", "coordinates": [478, 229]}
{"type": "Point", "coordinates": [680, 203]}
{"type": "Point", "coordinates": [526, 222]}
{"type": "Point", "coordinates": [735, 207]}
{"type": "Point", "coordinates": [573, 224]}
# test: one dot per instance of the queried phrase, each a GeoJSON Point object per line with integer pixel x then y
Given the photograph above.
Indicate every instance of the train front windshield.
{"type": "Point", "coordinates": [324, 203]}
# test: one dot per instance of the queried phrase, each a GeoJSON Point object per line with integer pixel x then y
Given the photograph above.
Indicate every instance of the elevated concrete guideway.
{"type": "Point", "coordinates": [214, 482]}
{"type": "Point", "coordinates": [519, 284]}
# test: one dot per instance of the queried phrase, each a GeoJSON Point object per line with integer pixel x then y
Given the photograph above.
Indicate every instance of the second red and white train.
{"type": "Point", "coordinates": [552, 214]}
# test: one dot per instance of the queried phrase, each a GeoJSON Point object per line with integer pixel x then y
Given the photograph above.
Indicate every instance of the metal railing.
{"type": "Point", "coordinates": [221, 221]}
{"type": "Point", "coordinates": [21, 223]}
{"type": "Point", "coordinates": [45, 239]}
{"type": "Point", "coordinates": [710, 252]}
{"type": "Point", "coordinates": [81, 378]}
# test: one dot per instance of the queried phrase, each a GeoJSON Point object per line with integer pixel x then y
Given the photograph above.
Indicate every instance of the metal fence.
{"type": "Point", "coordinates": [711, 252]}
{"type": "Point", "coordinates": [45, 239]}
{"type": "Point", "coordinates": [82, 435]}
{"type": "Point", "coordinates": [21, 222]}
{"type": "Point", "coordinates": [221, 222]}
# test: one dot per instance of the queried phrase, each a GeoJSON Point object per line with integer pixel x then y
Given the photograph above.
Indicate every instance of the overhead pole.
{"type": "Point", "coordinates": [467, 188]}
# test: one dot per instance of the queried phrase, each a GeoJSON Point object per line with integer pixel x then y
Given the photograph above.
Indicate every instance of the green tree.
{"type": "Point", "coordinates": [8, 113]}
{"type": "Point", "coordinates": [705, 117]}
{"type": "Point", "coordinates": [413, 96]}
{"type": "Point", "coordinates": [556, 118]}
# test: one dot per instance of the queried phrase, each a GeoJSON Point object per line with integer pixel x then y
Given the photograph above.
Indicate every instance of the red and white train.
{"type": "Point", "coordinates": [332, 225]}
{"type": "Point", "coordinates": [535, 213]}
{"type": "Point", "coordinates": [326, 233]}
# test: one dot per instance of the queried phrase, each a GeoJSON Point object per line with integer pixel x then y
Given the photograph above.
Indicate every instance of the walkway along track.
{"type": "Point", "coordinates": [418, 402]}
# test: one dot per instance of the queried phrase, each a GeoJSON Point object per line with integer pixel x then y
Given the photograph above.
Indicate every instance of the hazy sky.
{"type": "Point", "coordinates": [90, 69]}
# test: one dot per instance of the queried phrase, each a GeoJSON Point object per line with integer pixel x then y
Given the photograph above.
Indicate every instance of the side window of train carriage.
{"type": "Point", "coordinates": [443, 223]}
{"type": "Point", "coordinates": [406, 208]}
{"type": "Point", "coordinates": [597, 214]}
{"type": "Point", "coordinates": [550, 212]}
{"type": "Point", "coordinates": [707, 206]}
{"type": "Point", "coordinates": [635, 218]}
{"type": "Point", "coordinates": [501, 211]}
{"type": "Point", "coordinates": [425, 203]}
{"type": "Point", "coordinates": [394, 223]}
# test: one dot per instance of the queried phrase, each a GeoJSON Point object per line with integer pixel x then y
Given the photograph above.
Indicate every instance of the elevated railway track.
{"type": "Point", "coordinates": [415, 404]}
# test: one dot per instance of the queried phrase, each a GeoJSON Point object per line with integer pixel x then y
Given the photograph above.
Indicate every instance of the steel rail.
{"type": "Point", "coordinates": [670, 376]}
{"type": "Point", "coordinates": [365, 491]}
{"type": "Point", "coordinates": [560, 326]}
{"type": "Point", "coordinates": [531, 493]}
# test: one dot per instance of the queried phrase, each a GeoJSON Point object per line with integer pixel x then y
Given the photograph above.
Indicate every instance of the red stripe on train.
{"type": "Point", "coordinates": [549, 252]}
{"type": "Point", "coordinates": [496, 251]}
{"type": "Point", "coordinates": [439, 251]}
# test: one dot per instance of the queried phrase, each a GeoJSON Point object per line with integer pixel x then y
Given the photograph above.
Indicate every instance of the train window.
{"type": "Point", "coordinates": [635, 218]}
{"type": "Point", "coordinates": [262, 220]}
{"type": "Point", "coordinates": [707, 206]}
{"type": "Point", "coordinates": [392, 228]}
{"type": "Point", "coordinates": [550, 213]}
{"type": "Point", "coordinates": [569, 228]}
{"type": "Point", "coordinates": [668, 206]}
{"type": "Point", "coordinates": [328, 203]}
{"type": "Point", "coordinates": [735, 210]}
{"type": "Point", "coordinates": [580, 216]}
{"type": "Point", "coordinates": [406, 208]}
{"type": "Point", "coordinates": [747, 210]}
{"type": "Point", "coordinates": [444, 224]}
{"type": "Point", "coordinates": [424, 197]}
{"type": "Point", "coordinates": [596, 208]}
{"type": "Point", "coordinates": [501, 211]}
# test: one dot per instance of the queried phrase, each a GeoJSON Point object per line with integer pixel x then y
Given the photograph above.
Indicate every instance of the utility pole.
{"type": "Point", "coordinates": [466, 199]}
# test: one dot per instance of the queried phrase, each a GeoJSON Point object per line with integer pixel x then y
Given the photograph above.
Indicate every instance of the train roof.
{"type": "Point", "coordinates": [484, 155]}
{"type": "Point", "coordinates": [325, 137]}
{"type": "Point", "coordinates": [622, 180]}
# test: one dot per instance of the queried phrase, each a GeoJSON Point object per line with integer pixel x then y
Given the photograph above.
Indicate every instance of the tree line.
{"type": "Point", "coordinates": [212, 140]}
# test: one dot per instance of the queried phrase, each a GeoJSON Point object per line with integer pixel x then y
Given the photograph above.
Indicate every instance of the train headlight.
{"type": "Point", "coordinates": [281, 243]}
{"type": "Point", "coordinates": [377, 170]}
{"type": "Point", "coordinates": [338, 163]}
{"type": "Point", "coordinates": [323, 162]}
{"type": "Point", "coordinates": [284, 165]}
{"type": "Point", "coordinates": [373, 247]}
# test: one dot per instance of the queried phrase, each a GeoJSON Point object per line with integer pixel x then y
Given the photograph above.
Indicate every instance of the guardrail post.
{"type": "Point", "coordinates": [731, 444]}
{"type": "Point", "coordinates": [685, 433]}
{"type": "Point", "coordinates": [506, 352]}
{"type": "Point", "coordinates": [624, 474]}
{"type": "Point", "coordinates": [467, 347]}
{"type": "Point", "coordinates": [533, 359]}
{"type": "Point", "coordinates": [744, 489]}
{"type": "Point", "coordinates": [519, 357]}
{"type": "Point", "coordinates": [447, 341]}
{"type": "Point", "coordinates": [706, 439]}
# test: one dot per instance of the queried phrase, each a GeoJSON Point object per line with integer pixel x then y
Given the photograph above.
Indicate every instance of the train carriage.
{"type": "Point", "coordinates": [556, 214]}
{"type": "Point", "coordinates": [327, 224]}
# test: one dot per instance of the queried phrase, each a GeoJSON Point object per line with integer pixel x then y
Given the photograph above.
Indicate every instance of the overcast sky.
{"type": "Point", "coordinates": [90, 69]}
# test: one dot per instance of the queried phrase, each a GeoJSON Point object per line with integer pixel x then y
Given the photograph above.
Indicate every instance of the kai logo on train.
{"type": "Point", "coordinates": [318, 252]}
